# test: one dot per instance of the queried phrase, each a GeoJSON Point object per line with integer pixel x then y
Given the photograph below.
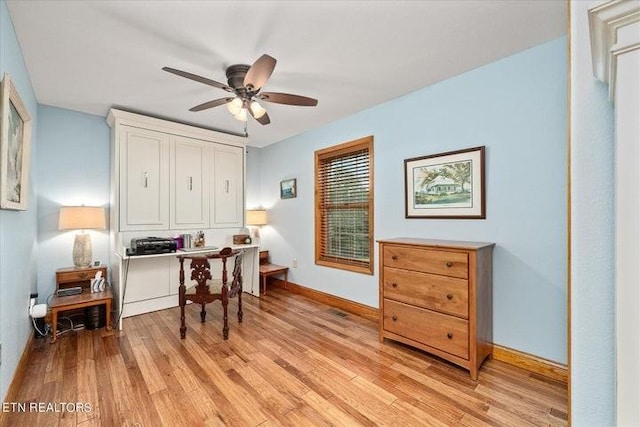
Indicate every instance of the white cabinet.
{"type": "Point", "coordinates": [170, 176]}
{"type": "Point", "coordinates": [189, 183]}
{"type": "Point", "coordinates": [144, 179]}
{"type": "Point", "coordinates": [227, 198]}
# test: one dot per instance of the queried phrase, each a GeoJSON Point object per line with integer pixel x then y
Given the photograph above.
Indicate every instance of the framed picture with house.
{"type": "Point", "coordinates": [446, 185]}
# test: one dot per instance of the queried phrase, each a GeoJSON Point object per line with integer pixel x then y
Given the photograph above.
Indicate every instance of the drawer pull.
{"type": "Point", "coordinates": [449, 297]}
{"type": "Point", "coordinates": [83, 275]}
{"type": "Point", "coordinates": [449, 335]}
{"type": "Point", "coordinates": [449, 264]}
{"type": "Point", "coordinates": [394, 285]}
{"type": "Point", "coordinates": [394, 317]}
{"type": "Point", "coordinates": [394, 257]}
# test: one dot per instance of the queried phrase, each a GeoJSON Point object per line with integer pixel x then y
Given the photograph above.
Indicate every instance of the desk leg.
{"type": "Point", "coordinates": [286, 281]}
{"type": "Point", "coordinates": [264, 284]}
{"type": "Point", "coordinates": [54, 324]}
{"type": "Point", "coordinates": [108, 315]}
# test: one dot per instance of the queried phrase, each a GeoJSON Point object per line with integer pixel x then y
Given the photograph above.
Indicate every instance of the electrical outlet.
{"type": "Point", "coordinates": [294, 263]}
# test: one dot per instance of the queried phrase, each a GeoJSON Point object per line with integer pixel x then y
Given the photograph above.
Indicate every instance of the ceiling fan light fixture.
{"type": "Point", "coordinates": [242, 115]}
{"type": "Point", "coordinates": [257, 109]}
{"type": "Point", "coordinates": [235, 106]}
{"type": "Point", "coordinates": [245, 88]}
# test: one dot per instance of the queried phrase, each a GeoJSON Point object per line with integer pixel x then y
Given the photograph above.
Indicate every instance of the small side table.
{"type": "Point", "coordinates": [83, 300]}
{"type": "Point", "coordinates": [72, 277]}
{"type": "Point", "coordinates": [267, 269]}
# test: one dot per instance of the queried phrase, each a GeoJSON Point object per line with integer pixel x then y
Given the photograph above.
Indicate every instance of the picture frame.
{"type": "Point", "coordinates": [15, 148]}
{"type": "Point", "coordinates": [447, 185]}
{"type": "Point", "coordinates": [288, 189]}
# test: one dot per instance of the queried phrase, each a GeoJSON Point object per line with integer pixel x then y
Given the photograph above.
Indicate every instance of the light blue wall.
{"type": "Point", "coordinates": [73, 169]}
{"type": "Point", "coordinates": [515, 107]}
{"type": "Point", "coordinates": [18, 229]}
{"type": "Point", "coordinates": [253, 198]}
{"type": "Point", "coordinates": [593, 390]}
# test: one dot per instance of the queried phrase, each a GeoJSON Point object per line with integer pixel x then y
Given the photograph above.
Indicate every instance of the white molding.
{"type": "Point", "coordinates": [613, 65]}
{"type": "Point", "coordinates": [138, 120]}
{"type": "Point", "coordinates": [615, 47]}
{"type": "Point", "coordinates": [605, 19]}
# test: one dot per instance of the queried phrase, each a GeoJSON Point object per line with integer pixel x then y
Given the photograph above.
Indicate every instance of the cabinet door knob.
{"type": "Point", "coordinates": [449, 335]}
{"type": "Point", "coordinates": [394, 257]}
{"type": "Point", "coordinates": [190, 183]}
{"type": "Point", "coordinates": [449, 263]}
{"type": "Point", "coordinates": [449, 296]}
{"type": "Point", "coordinates": [394, 285]}
{"type": "Point", "coordinates": [394, 317]}
{"type": "Point", "coordinates": [146, 179]}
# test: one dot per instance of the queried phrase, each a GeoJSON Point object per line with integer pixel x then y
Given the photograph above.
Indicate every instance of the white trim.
{"type": "Point", "coordinates": [161, 125]}
{"type": "Point", "coordinates": [615, 46]}
{"type": "Point", "coordinates": [605, 20]}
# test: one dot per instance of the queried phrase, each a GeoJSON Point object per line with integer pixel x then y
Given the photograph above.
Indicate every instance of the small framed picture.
{"type": "Point", "coordinates": [446, 185]}
{"type": "Point", "coordinates": [288, 189]}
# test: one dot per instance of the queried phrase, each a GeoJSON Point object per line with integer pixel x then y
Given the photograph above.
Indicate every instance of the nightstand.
{"type": "Point", "coordinates": [72, 277]}
{"type": "Point", "coordinates": [267, 269]}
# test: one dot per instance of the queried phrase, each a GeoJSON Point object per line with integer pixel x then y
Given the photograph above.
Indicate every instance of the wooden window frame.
{"type": "Point", "coordinates": [344, 149]}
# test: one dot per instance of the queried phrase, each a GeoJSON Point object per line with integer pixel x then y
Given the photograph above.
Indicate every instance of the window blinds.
{"type": "Point", "coordinates": [343, 184]}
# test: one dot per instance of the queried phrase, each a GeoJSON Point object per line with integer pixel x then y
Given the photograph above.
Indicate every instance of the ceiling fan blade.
{"type": "Point", "coordinates": [287, 98]}
{"type": "Point", "coordinates": [259, 72]}
{"type": "Point", "coordinates": [211, 104]}
{"type": "Point", "coordinates": [198, 78]}
{"type": "Point", "coordinates": [263, 120]}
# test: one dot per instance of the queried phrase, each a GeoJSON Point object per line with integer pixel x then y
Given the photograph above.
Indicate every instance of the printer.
{"type": "Point", "coordinates": [152, 245]}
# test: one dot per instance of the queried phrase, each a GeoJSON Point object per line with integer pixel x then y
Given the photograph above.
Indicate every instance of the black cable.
{"type": "Point", "coordinates": [46, 330]}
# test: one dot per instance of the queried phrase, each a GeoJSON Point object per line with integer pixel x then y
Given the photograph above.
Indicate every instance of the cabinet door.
{"type": "Point", "coordinates": [227, 201]}
{"type": "Point", "coordinates": [189, 187]}
{"type": "Point", "coordinates": [149, 278]}
{"type": "Point", "coordinates": [144, 179]}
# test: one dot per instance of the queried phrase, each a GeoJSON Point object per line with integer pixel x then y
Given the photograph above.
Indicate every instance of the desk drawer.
{"type": "Point", "coordinates": [446, 333]}
{"type": "Point", "coordinates": [440, 293]}
{"type": "Point", "coordinates": [445, 263]}
{"type": "Point", "coordinates": [78, 277]}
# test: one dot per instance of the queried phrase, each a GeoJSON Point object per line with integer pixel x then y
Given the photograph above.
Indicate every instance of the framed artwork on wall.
{"type": "Point", "coordinates": [15, 148]}
{"type": "Point", "coordinates": [288, 189]}
{"type": "Point", "coordinates": [446, 185]}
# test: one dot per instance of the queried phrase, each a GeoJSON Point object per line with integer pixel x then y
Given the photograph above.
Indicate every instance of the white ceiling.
{"type": "Point", "coordinates": [350, 55]}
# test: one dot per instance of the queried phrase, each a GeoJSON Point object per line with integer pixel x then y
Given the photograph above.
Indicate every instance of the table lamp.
{"type": "Point", "coordinates": [81, 218]}
{"type": "Point", "coordinates": [257, 218]}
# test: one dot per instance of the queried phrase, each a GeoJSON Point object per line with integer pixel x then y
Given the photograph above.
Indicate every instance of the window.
{"type": "Point", "coordinates": [344, 206]}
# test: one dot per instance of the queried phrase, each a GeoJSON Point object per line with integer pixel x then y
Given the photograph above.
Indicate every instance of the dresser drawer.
{"type": "Point", "coordinates": [447, 333]}
{"type": "Point", "coordinates": [440, 293]}
{"type": "Point", "coordinates": [445, 263]}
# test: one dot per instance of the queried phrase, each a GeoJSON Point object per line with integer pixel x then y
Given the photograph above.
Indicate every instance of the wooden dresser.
{"type": "Point", "coordinates": [436, 295]}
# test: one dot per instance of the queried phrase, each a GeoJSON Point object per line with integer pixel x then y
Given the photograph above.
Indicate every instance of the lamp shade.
{"type": "Point", "coordinates": [257, 217]}
{"type": "Point", "coordinates": [81, 218]}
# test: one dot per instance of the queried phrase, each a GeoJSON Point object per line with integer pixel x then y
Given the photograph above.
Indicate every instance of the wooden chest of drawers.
{"type": "Point", "coordinates": [436, 295]}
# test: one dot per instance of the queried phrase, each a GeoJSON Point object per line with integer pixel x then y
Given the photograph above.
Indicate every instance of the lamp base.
{"type": "Point", "coordinates": [82, 250]}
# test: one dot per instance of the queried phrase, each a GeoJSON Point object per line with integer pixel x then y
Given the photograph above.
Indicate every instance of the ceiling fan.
{"type": "Point", "coordinates": [245, 83]}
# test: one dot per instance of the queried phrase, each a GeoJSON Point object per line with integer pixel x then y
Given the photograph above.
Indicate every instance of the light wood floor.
{"type": "Point", "coordinates": [292, 362]}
